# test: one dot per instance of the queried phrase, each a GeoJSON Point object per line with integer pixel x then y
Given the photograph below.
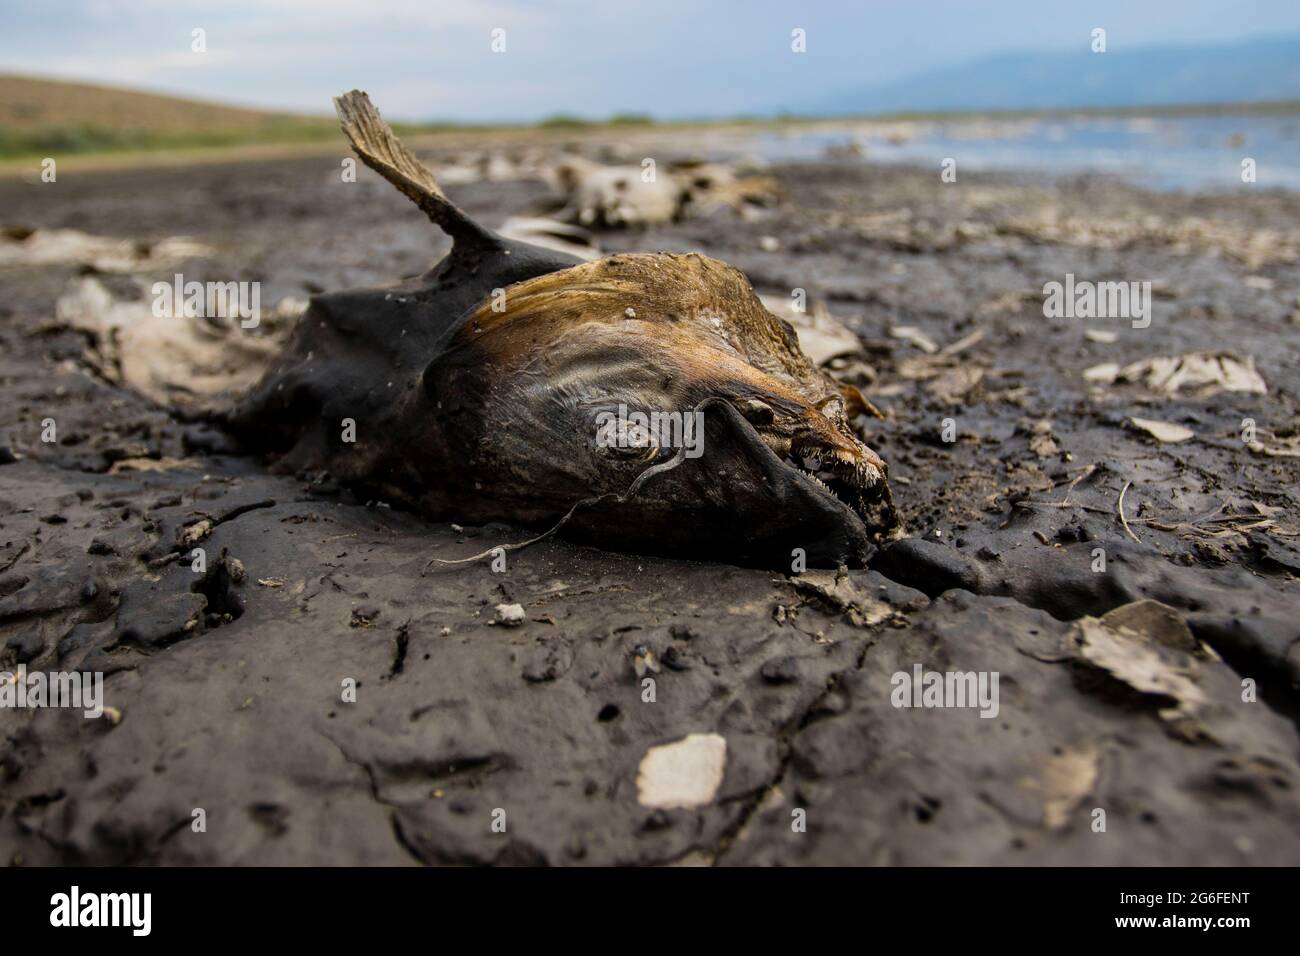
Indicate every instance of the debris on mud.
{"type": "Point", "coordinates": [173, 362]}
{"type": "Point", "coordinates": [682, 774]}
{"type": "Point", "coordinates": [46, 247]}
{"type": "Point", "coordinates": [1202, 374]}
{"type": "Point", "coordinates": [1153, 680]}
{"type": "Point", "coordinates": [592, 194]}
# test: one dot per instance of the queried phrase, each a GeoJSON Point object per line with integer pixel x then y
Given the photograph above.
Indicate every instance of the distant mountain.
{"type": "Point", "coordinates": [1243, 71]}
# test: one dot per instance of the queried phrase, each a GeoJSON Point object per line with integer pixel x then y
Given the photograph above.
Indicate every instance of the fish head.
{"type": "Point", "coordinates": [664, 372]}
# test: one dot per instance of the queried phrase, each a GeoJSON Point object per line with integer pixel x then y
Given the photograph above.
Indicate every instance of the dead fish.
{"type": "Point", "coordinates": [480, 389]}
{"type": "Point", "coordinates": [178, 361]}
{"type": "Point", "coordinates": [738, 187]}
{"type": "Point", "coordinates": [592, 194]}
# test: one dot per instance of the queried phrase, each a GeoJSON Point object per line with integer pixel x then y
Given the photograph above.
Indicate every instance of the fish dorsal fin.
{"type": "Point", "coordinates": [377, 145]}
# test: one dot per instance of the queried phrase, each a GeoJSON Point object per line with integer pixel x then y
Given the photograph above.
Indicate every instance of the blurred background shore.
{"type": "Point", "coordinates": [1188, 146]}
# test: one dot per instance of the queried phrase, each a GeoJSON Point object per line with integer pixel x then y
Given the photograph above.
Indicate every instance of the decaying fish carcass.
{"type": "Point", "coordinates": [593, 194]}
{"type": "Point", "coordinates": [475, 390]}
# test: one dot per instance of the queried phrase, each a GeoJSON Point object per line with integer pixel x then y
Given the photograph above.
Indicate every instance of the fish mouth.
{"type": "Point", "coordinates": [846, 471]}
{"type": "Point", "coordinates": [856, 482]}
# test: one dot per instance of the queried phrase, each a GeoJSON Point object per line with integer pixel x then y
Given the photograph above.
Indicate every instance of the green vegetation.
{"type": "Point", "coordinates": [41, 118]}
{"type": "Point", "coordinates": [88, 138]}
{"type": "Point", "coordinates": [568, 121]}
{"type": "Point", "coordinates": [563, 121]}
{"type": "Point", "coordinates": [630, 119]}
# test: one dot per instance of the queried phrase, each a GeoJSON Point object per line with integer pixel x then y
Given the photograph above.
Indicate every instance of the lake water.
{"type": "Point", "coordinates": [1195, 152]}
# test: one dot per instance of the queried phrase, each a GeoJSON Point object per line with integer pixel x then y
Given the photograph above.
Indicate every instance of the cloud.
{"type": "Point", "coordinates": [669, 58]}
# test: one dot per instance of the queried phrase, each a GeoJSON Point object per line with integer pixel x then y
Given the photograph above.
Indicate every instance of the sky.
{"type": "Point", "coordinates": [670, 58]}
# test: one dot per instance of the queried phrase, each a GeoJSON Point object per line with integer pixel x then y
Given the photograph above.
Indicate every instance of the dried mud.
{"type": "Point", "coordinates": [225, 687]}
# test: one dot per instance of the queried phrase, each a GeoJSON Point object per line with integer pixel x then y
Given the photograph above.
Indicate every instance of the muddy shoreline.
{"type": "Point", "coordinates": [225, 686]}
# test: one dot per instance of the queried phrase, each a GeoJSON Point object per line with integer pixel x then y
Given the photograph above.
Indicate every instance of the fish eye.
{"type": "Point", "coordinates": [651, 454]}
{"type": "Point", "coordinates": [628, 442]}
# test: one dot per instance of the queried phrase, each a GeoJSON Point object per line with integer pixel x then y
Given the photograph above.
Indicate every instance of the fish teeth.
{"type": "Point", "coordinates": [857, 473]}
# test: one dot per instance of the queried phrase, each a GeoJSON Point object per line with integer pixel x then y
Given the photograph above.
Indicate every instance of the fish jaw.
{"type": "Point", "coordinates": [520, 393]}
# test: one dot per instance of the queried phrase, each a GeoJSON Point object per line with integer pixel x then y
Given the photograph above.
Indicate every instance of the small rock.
{"type": "Point", "coordinates": [511, 615]}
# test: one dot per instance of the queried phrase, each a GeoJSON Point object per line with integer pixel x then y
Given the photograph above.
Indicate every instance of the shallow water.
{"type": "Point", "coordinates": [1166, 153]}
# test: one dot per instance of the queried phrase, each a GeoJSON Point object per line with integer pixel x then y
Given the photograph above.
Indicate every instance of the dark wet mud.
{"type": "Point", "coordinates": [1124, 733]}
